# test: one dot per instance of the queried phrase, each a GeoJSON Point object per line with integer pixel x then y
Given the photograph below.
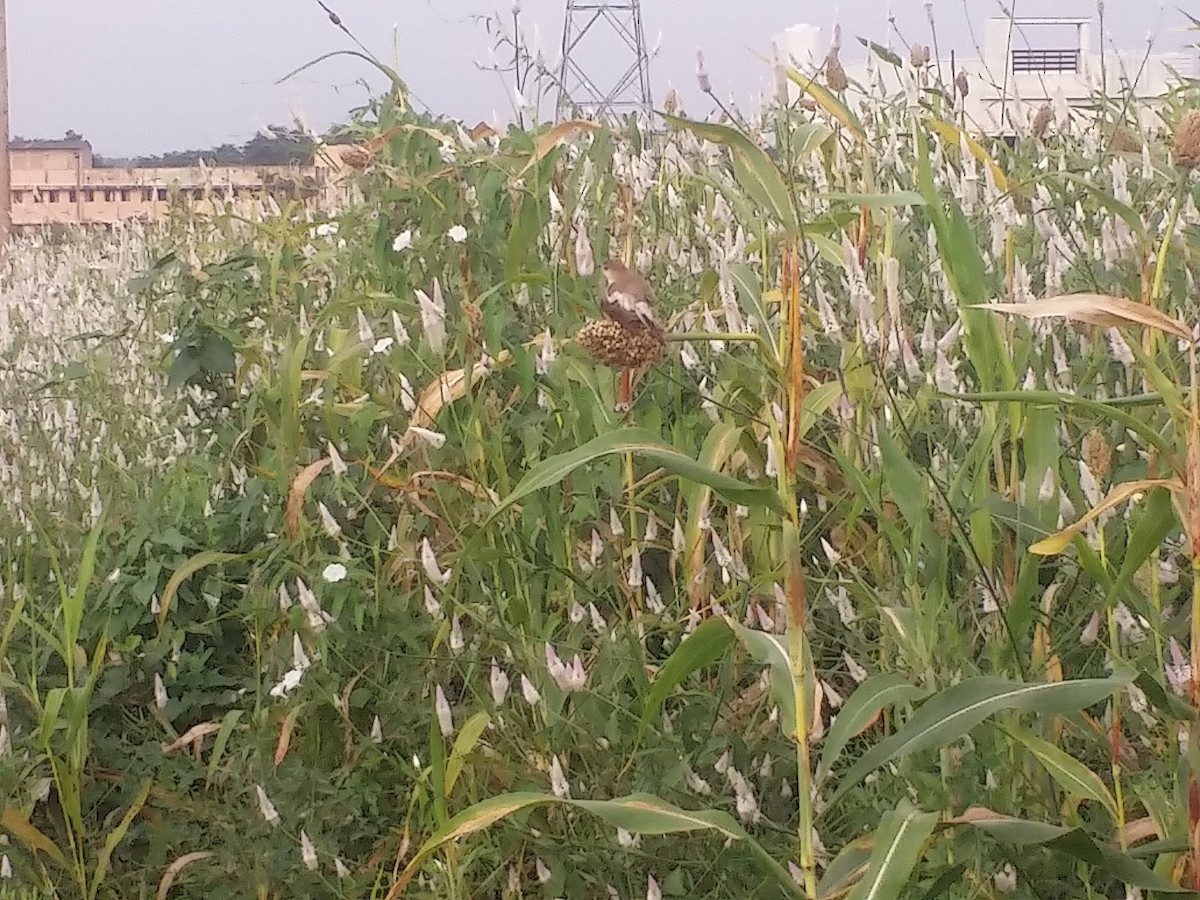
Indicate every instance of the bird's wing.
{"type": "Point", "coordinates": [629, 309]}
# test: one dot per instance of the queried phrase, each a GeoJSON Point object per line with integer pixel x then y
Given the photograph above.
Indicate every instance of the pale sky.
{"type": "Point", "coordinates": [146, 76]}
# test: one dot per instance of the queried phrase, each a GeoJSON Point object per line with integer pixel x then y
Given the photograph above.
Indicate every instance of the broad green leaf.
{"type": "Point", "coordinates": [1157, 521]}
{"type": "Point", "coordinates": [464, 743]}
{"type": "Point", "coordinates": [771, 650]}
{"type": "Point", "coordinates": [701, 648]}
{"type": "Point", "coordinates": [951, 713]}
{"type": "Point", "coordinates": [829, 102]}
{"type": "Point", "coordinates": [1072, 776]}
{"type": "Point", "coordinates": [876, 693]}
{"type": "Point", "coordinates": [898, 846]}
{"type": "Point", "coordinates": [753, 168]}
{"type": "Point", "coordinates": [816, 403]}
{"type": "Point", "coordinates": [750, 290]}
{"type": "Point", "coordinates": [903, 482]}
{"type": "Point", "coordinates": [637, 813]}
{"type": "Point", "coordinates": [846, 869]}
{"type": "Point", "coordinates": [643, 443]}
{"type": "Point", "coordinates": [1072, 842]}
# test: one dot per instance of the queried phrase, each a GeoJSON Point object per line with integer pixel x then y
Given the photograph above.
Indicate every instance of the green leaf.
{"type": "Point", "coordinates": [899, 843]}
{"type": "Point", "coordinates": [228, 723]}
{"type": "Point", "coordinates": [750, 290]}
{"type": "Point", "coordinates": [1071, 775]}
{"type": "Point", "coordinates": [464, 743]}
{"type": "Point", "coordinates": [638, 813]}
{"type": "Point", "coordinates": [114, 837]}
{"type": "Point", "coordinates": [701, 648]}
{"type": "Point", "coordinates": [771, 650]}
{"type": "Point", "coordinates": [951, 713]}
{"type": "Point", "coordinates": [876, 693]}
{"type": "Point", "coordinates": [882, 52]}
{"type": "Point", "coordinates": [1157, 520]}
{"type": "Point", "coordinates": [829, 102]}
{"type": "Point", "coordinates": [753, 168]}
{"type": "Point", "coordinates": [643, 443]}
{"type": "Point", "coordinates": [876, 201]}
{"type": "Point", "coordinates": [216, 355]}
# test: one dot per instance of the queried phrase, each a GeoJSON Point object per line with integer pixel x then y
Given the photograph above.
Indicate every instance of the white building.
{"type": "Point", "coordinates": [1027, 63]}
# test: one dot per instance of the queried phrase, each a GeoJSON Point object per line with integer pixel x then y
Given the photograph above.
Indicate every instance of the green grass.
{"type": "Point", "coordinates": [258, 521]}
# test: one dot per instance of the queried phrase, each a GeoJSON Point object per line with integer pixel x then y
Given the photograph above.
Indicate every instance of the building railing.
{"type": "Point", "coordinates": [1045, 60]}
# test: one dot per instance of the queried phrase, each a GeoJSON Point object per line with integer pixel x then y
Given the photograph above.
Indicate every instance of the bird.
{"type": "Point", "coordinates": [627, 299]}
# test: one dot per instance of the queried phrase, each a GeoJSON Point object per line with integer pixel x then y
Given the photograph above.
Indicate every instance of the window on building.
{"type": "Point", "coordinates": [162, 195]}
{"type": "Point", "coordinates": [147, 194]}
{"type": "Point", "coordinates": [124, 195]}
{"type": "Point", "coordinates": [110, 195]}
{"type": "Point", "coordinates": [89, 195]}
{"type": "Point", "coordinates": [1045, 60]}
{"type": "Point", "coordinates": [53, 197]}
{"type": "Point", "coordinates": [18, 197]}
{"type": "Point", "coordinates": [72, 197]}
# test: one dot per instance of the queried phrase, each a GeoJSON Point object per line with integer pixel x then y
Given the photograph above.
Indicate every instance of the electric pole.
{"type": "Point", "coordinates": [603, 37]}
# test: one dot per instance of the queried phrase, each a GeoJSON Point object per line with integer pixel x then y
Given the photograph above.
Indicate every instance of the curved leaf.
{"type": "Point", "coordinates": [897, 849]}
{"type": "Point", "coordinates": [638, 813]}
{"type": "Point", "coordinates": [186, 571]}
{"type": "Point", "coordinates": [639, 442]}
{"type": "Point", "coordinates": [754, 170]}
{"type": "Point", "coordinates": [1072, 776]}
{"type": "Point", "coordinates": [876, 693]}
{"type": "Point", "coordinates": [702, 647]}
{"type": "Point", "coordinates": [951, 713]}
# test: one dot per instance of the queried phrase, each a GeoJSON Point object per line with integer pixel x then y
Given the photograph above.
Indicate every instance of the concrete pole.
{"type": "Point", "coordinates": [5, 173]}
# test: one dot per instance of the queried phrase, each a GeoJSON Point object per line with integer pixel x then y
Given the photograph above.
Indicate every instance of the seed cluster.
{"type": "Point", "coordinates": [612, 344]}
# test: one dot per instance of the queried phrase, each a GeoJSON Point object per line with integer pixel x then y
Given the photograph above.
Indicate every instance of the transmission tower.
{"type": "Point", "coordinates": [600, 39]}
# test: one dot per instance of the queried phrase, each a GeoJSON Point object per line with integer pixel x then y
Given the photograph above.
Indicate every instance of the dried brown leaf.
{"type": "Point", "coordinates": [295, 504]}
{"type": "Point", "coordinates": [1097, 309]}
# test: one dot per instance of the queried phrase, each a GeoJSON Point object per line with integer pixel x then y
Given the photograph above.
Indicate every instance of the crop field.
{"type": "Point", "coordinates": [353, 553]}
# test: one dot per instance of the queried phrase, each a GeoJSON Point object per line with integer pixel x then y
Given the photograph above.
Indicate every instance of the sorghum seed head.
{"type": "Point", "coordinates": [612, 344]}
{"type": "Point", "coordinates": [1186, 148]}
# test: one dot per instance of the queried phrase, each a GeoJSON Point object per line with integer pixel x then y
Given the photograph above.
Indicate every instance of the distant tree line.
{"type": "Point", "coordinates": [273, 146]}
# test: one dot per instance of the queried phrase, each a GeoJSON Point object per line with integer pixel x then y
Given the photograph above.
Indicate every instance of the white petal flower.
{"type": "Point", "coordinates": [529, 692]}
{"type": "Point", "coordinates": [308, 853]}
{"type": "Point", "coordinates": [160, 692]}
{"type": "Point", "coordinates": [340, 868]}
{"type": "Point", "coordinates": [402, 241]}
{"type": "Point", "coordinates": [429, 562]}
{"type": "Point", "coordinates": [376, 731]}
{"type": "Point", "coordinates": [334, 572]}
{"type": "Point", "coordinates": [499, 684]}
{"type": "Point", "coordinates": [458, 234]}
{"type": "Point", "coordinates": [433, 439]}
{"type": "Point", "coordinates": [328, 522]}
{"type": "Point", "coordinates": [266, 807]}
{"type": "Point", "coordinates": [653, 891]}
{"type": "Point", "coordinates": [558, 780]}
{"type": "Point", "coordinates": [444, 716]}
{"type": "Point", "coordinates": [433, 317]}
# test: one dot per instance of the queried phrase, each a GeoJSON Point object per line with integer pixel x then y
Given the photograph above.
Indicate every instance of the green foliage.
{"type": "Point", "coordinates": [326, 552]}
